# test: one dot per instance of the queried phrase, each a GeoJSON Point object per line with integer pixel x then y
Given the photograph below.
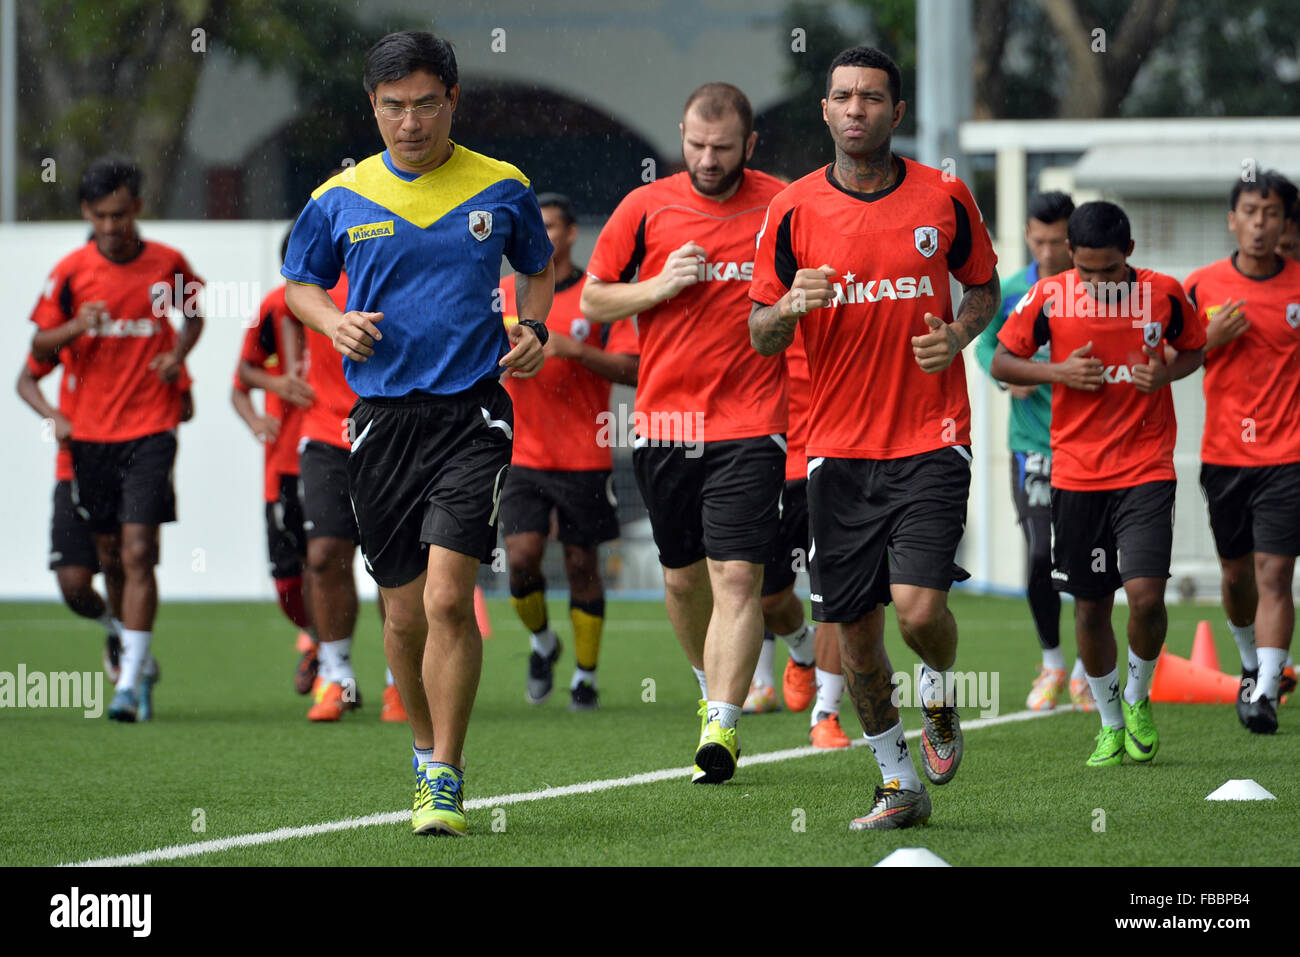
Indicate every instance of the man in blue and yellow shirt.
{"type": "Point", "coordinates": [421, 230]}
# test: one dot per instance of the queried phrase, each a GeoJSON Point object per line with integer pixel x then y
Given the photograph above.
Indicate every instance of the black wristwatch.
{"type": "Point", "coordinates": [539, 329]}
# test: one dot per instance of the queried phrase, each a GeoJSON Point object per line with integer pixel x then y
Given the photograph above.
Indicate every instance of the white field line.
{"type": "Point", "coordinates": [217, 845]}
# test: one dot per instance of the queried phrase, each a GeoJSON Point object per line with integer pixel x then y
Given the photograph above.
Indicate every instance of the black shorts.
{"type": "Point", "coordinates": [792, 540]}
{"type": "Point", "coordinates": [286, 544]}
{"type": "Point", "coordinates": [125, 483]}
{"type": "Point", "coordinates": [323, 488]}
{"type": "Point", "coordinates": [71, 544]}
{"type": "Point", "coordinates": [584, 503]}
{"type": "Point", "coordinates": [1253, 509]}
{"type": "Point", "coordinates": [429, 470]}
{"type": "Point", "coordinates": [1102, 539]}
{"type": "Point", "coordinates": [712, 499]}
{"type": "Point", "coordinates": [882, 522]}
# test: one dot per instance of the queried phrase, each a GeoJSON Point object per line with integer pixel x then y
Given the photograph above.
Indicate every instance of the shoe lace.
{"type": "Point", "coordinates": [941, 718]}
{"type": "Point", "coordinates": [538, 667]}
{"type": "Point", "coordinates": [445, 792]}
{"type": "Point", "coordinates": [1142, 719]}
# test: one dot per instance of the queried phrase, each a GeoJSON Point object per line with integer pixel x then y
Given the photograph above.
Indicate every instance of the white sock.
{"type": "Point", "coordinates": [763, 671]}
{"type": "Point", "coordinates": [135, 652]}
{"type": "Point", "coordinates": [1078, 671]}
{"type": "Point", "coordinates": [336, 661]}
{"type": "Point", "coordinates": [1244, 636]}
{"type": "Point", "coordinates": [388, 677]}
{"type": "Point", "coordinates": [580, 675]}
{"type": "Point", "coordinates": [1139, 677]}
{"type": "Point", "coordinates": [150, 669]}
{"type": "Point", "coordinates": [937, 688]}
{"type": "Point", "coordinates": [422, 755]}
{"type": "Point", "coordinates": [725, 714]}
{"type": "Point", "coordinates": [890, 749]}
{"type": "Point", "coordinates": [118, 626]}
{"type": "Point", "coordinates": [543, 642]}
{"type": "Point", "coordinates": [800, 643]}
{"type": "Point", "coordinates": [830, 689]}
{"type": "Point", "coordinates": [108, 623]}
{"type": "Point", "coordinates": [1054, 658]}
{"type": "Point", "coordinates": [1106, 690]}
{"type": "Point", "coordinates": [1271, 663]}
{"type": "Point", "coordinates": [704, 682]}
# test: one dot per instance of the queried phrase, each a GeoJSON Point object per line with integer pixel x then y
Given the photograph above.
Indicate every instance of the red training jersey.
{"type": "Point", "coordinates": [63, 471]}
{"type": "Point", "coordinates": [796, 454]}
{"type": "Point", "coordinates": [1115, 437]}
{"type": "Point", "coordinates": [109, 365]}
{"type": "Point", "coordinates": [262, 348]}
{"type": "Point", "coordinates": [699, 379]}
{"type": "Point", "coordinates": [1252, 384]}
{"type": "Point", "coordinates": [322, 366]}
{"type": "Point", "coordinates": [559, 412]}
{"type": "Point", "coordinates": [892, 251]}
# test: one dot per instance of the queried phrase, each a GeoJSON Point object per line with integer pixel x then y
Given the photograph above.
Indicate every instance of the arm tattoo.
{"type": "Point", "coordinates": [977, 309]}
{"type": "Point", "coordinates": [769, 332]}
{"type": "Point", "coordinates": [872, 693]}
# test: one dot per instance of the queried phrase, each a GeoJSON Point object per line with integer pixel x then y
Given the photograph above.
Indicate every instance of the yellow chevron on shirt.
{"type": "Point", "coordinates": [427, 198]}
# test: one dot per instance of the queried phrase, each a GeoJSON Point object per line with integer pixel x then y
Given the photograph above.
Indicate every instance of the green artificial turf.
{"type": "Point", "coordinates": [231, 741]}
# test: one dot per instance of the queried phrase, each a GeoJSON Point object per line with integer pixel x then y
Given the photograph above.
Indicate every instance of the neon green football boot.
{"type": "Point", "coordinates": [715, 758]}
{"type": "Point", "coordinates": [1110, 748]}
{"type": "Point", "coordinates": [1140, 738]}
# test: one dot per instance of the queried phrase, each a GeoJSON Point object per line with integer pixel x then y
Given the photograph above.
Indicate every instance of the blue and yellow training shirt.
{"type": "Point", "coordinates": [425, 250]}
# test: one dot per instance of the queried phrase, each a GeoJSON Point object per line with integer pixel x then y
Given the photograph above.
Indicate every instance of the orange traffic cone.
{"type": "Point", "coordinates": [1178, 681]}
{"type": "Point", "coordinates": [481, 613]}
{"type": "Point", "coordinates": [1203, 651]}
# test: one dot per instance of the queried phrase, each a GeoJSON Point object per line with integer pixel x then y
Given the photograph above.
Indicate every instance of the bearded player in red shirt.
{"type": "Point", "coordinates": [1250, 450]}
{"type": "Point", "coordinates": [858, 254]}
{"type": "Point", "coordinates": [1113, 433]}
{"type": "Point", "coordinates": [710, 413]}
{"type": "Point", "coordinates": [108, 305]}
{"type": "Point", "coordinates": [559, 465]}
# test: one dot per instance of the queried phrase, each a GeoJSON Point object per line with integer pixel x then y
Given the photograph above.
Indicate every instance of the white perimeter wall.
{"type": "Point", "coordinates": [217, 550]}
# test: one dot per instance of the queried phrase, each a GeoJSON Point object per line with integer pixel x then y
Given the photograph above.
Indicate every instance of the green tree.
{"type": "Point", "coordinates": [1229, 59]}
{"type": "Point", "coordinates": [120, 76]}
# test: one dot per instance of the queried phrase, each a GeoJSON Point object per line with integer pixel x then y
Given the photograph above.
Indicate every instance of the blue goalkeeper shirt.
{"type": "Point", "coordinates": [425, 250]}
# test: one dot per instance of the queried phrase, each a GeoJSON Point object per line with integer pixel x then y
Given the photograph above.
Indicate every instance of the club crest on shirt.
{"type": "Point", "coordinates": [480, 224]}
{"type": "Point", "coordinates": [1293, 315]}
{"type": "Point", "coordinates": [580, 328]}
{"type": "Point", "coordinates": [927, 240]}
{"type": "Point", "coordinates": [1151, 333]}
